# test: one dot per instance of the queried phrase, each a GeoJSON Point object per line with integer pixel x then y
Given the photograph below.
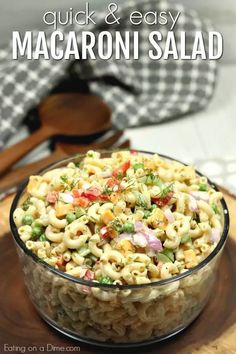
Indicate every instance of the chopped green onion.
{"type": "Point", "coordinates": [70, 217]}
{"type": "Point", "coordinates": [203, 187]}
{"type": "Point", "coordinates": [105, 280]}
{"type": "Point", "coordinates": [27, 220]}
{"type": "Point", "coordinates": [128, 227]}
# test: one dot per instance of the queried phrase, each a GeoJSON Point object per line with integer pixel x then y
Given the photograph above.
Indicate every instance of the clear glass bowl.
{"type": "Point", "coordinates": [117, 315]}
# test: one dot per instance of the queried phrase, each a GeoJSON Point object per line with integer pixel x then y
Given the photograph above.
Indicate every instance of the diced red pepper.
{"type": "Point", "coordinates": [112, 182]}
{"type": "Point", "coordinates": [52, 197]}
{"type": "Point", "coordinates": [125, 166]}
{"type": "Point", "coordinates": [104, 197]}
{"type": "Point", "coordinates": [60, 261]}
{"type": "Point", "coordinates": [122, 169]}
{"type": "Point", "coordinates": [92, 193]}
{"type": "Point", "coordinates": [163, 201]}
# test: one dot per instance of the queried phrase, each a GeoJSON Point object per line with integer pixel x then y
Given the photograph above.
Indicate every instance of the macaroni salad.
{"type": "Point", "coordinates": [130, 218]}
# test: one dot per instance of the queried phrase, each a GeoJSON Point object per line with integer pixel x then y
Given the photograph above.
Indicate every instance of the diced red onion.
{"type": "Point", "coordinates": [193, 203]}
{"type": "Point", "coordinates": [200, 195]}
{"type": "Point", "coordinates": [169, 215]}
{"type": "Point", "coordinates": [153, 242]}
{"type": "Point", "coordinates": [66, 198]}
{"type": "Point", "coordinates": [155, 245]}
{"type": "Point", "coordinates": [215, 235]}
{"type": "Point", "coordinates": [138, 226]}
{"type": "Point", "coordinates": [142, 239]}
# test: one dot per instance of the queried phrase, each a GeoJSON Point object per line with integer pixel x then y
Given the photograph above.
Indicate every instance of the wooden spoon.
{"type": "Point", "coordinates": [17, 175]}
{"type": "Point", "coordinates": [61, 114]}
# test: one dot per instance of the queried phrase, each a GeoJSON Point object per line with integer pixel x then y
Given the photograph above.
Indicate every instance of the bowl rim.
{"type": "Point", "coordinates": [91, 284]}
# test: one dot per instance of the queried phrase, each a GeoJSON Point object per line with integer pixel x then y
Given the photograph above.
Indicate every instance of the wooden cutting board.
{"type": "Point", "coordinates": [214, 331]}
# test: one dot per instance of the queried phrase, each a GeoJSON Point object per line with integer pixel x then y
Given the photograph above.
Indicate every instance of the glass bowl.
{"type": "Point", "coordinates": [117, 315]}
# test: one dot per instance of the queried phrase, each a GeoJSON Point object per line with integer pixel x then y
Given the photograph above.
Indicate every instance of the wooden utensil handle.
{"type": "Point", "coordinates": [16, 176]}
{"type": "Point", "coordinates": [14, 153]}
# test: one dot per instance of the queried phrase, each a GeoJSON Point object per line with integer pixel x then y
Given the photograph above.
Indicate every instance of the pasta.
{"type": "Point", "coordinates": [127, 219]}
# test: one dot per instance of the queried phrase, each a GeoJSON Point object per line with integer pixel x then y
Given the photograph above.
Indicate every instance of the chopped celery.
{"type": "Point", "coordinates": [163, 258]}
{"type": "Point", "coordinates": [168, 253]}
{"type": "Point", "coordinates": [84, 251]}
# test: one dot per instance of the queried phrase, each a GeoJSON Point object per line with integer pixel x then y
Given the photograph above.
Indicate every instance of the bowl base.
{"type": "Point", "coordinates": [78, 338]}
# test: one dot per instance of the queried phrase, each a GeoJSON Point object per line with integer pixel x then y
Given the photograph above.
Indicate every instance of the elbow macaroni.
{"type": "Point", "coordinates": [84, 210]}
{"type": "Point", "coordinates": [124, 220]}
